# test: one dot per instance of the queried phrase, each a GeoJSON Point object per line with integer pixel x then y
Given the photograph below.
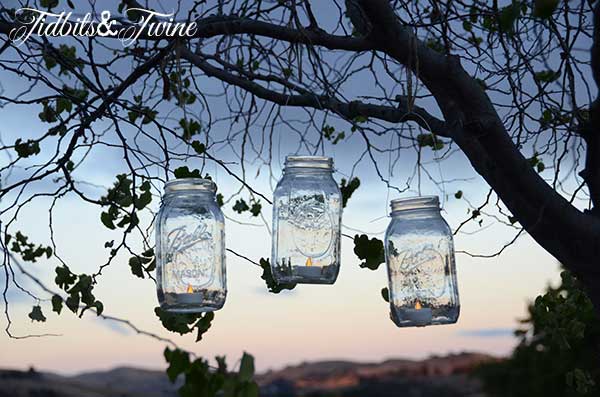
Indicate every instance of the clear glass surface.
{"type": "Point", "coordinates": [190, 248]}
{"type": "Point", "coordinates": [307, 210]}
{"type": "Point", "coordinates": [420, 261]}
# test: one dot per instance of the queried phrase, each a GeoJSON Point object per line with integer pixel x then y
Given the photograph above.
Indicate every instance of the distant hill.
{"type": "Point", "coordinates": [118, 382]}
{"type": "Point", "coordinates": [436, 376]}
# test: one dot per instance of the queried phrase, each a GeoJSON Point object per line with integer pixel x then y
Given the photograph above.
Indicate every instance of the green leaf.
{"type": "Point", "coordinates": [544, 8]}
{"type": "Point", "coordinates": [57, 303]}
{"type": "Point", "coordinates": [329, 133]}
{"type": "Point", "coordinates": [72, 302]}
{"type": "Point", "coordinates": [348, 188]}
{"type": "Point", "coordinates": [26, 149]}
{"type": "Point", "coordinates": [63, 105]}
{"type": "Point", "coordinates": [198, 147]}
{"type": "Point", "coordinates": [436, 45]}
{"type": "Point", "coordinates": [143, 200]}
{"type": "Point", "coordinates": [246, 368]}
{"type": "Point", "coordinates": [184, 172]}
{"type": "Point", "coordinates": [458, 195]}
{"type": "Point", "coordinates": [177, 322]}
{"type": "Point", "coordinates": [256, 208]}
{"type": "Point", "coordinates": [149, 116]}
{"type": "Point", "coordinates": [250, 390]}
{"type": "Point", "coordinates": [385, 294]}
{"type": "Point", "coordinates": [133, 116]}
{"type": "Point", "coordinates": [37, 315]}
{"type": "Point", "coordinates": [547, 76]}
{"type": "Point", "coordinates": [64, 277]}
{"type": "Point", "coordinates": [203, 324]}
{"type": "Point", "coordinates": [190, 128]}
{"type": "Point", "coordinates": [369, 250]}
{"type": "Point", "coordinates": [267, 275]}
{"type": "Point", "coordinates": [540, 167]}
{"type": "Point", "coordinates": [580, 380]}
{"type": "Point", "coordinates": [137, 266]}
{"type": "Point", "coordinates": [99, 307]}
{"type": "Point", "coordinates": [49, 4]}
{"type": "Point", "coordinates": [76, 95]}
{"type": "Point", "coordinates": [178, 360]}
{"type": "Point", "coordinates": [430, 140]}
{"type": "Point", "coordinates": [240, 206]}
{"type": "Point", "coordinates": [508, 16]}
{"type": "Point", "coordinates": [107, 220]}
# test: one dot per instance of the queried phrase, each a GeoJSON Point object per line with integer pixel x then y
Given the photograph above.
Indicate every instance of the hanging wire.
{"type": "Point", "coordinates": [413, 56]}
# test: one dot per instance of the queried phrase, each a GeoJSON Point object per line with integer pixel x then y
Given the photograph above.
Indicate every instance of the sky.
{"type": "Point", "coordinates": [348, 320]}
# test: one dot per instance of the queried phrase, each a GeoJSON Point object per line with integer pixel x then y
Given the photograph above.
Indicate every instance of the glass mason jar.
{"type": "Point", "coordinates": [307, 217]}
{"type": "Point", "coordinates": [419, 253]}
{"type": "Point", "coordinates": [190, 248]}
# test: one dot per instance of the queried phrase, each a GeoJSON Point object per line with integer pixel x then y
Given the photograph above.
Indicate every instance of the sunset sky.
{"type": "Point", "coordinates": [347, 320]}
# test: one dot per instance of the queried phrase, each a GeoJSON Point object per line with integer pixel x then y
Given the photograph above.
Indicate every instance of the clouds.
{"type": "Point", "coordinates": [487, 333]}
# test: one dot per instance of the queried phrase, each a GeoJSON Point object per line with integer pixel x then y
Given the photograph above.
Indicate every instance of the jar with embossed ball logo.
{"type": "Point", "coordinates": [307, 212]}
{"type": "Point", "coordinates": [190, 248]}
{"type": "Point", "coordinates": [419, 253]}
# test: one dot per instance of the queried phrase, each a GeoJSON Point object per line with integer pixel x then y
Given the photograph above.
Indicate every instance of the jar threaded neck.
{"type": "Point", "coordinates": [415, 203]}
{"type": "Point", "coordinates": [314, 162]}
{"type": "Point", "coordinates": [197, 184]}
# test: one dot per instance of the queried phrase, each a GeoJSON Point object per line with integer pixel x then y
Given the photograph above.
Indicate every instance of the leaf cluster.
{"type": "Point", "coordinates": [146, 262]}
{"type": "Point", "coordinates": [123, 203]}
{"type": "Point", "coordinates": [559, 348]}
{"type": "Point", "coordinates": [348, 188]}
{"type": "Point", "coordinates": [79, 289]}
{"type": "Point", "coordinates": [28, 251]}
{"type": "Point", "coordinates": [267, 275]}
{"type": "Point", "coordinates": [185, 323]}
{"type": "Point", "coordinates": [202, 380]}
{"type": "Point", "coordinates": [241, 206]}
{"type": "Point", "coordinates": [369, 250]}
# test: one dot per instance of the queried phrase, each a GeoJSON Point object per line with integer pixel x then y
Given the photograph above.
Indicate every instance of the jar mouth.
{"type": "Point", "coordinates": [199, 184]}
{"type": "Point", "coordinates": [415, 203]}
{"type": "Point", "coordinates": [319, 162]}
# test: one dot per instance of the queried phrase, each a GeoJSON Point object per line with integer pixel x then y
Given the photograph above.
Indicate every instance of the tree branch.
{"type": "Point", "coordinates": [308, 99]}
{"type": "Point", "coordinates": [568, 234]}
{"type": "Point", "coordinates": [591, 131]}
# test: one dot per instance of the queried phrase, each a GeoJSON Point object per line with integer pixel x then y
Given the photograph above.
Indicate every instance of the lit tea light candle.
{"type": "Point", "coordinates": [190, 296]}
{"type": "Point", "coordinates": [308, 270]}
{"type": "Point", "coordinates": [419, 315]}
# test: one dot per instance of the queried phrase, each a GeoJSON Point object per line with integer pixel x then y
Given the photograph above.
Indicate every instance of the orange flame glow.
{"type": "Point", "coordinates": [309, 262]}
{"type": "Point", "coordinates": [189, 290]}
{"type": "Point", "coordinates": [418, 305]}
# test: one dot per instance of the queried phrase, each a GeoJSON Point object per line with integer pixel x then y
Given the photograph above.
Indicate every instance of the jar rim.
{"type": "Point", "coordinates": [413, 203]}
{"type": "Point", "coordinates": [321, 162]}
{"type": "Point", "coordinates": [199, 184]}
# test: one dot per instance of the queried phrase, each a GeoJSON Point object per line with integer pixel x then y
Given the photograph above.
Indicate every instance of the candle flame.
{"type": "Point", "coordinates": [309, 262]}
{"type": "Point", "coordinates": [190, 290]}
{"type": "Point", "coordinates": [418, 305]}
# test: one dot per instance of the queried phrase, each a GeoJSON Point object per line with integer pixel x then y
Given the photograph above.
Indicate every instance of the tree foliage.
{"type": "Point", "coordinates": [558, 351]}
